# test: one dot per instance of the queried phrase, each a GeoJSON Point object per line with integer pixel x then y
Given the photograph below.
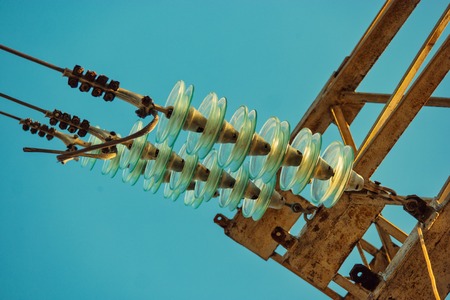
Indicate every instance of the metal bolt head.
{"type": "Point", "coordinates": [72, 129]}
{"type": "Point", "coordinates": [82, 132]}
{"type": "Point", "coordinates": [102, 80]}
{"type": "Point", "coordinates": [72, 82]}
{"type": "Point", "coordinates": [90, 75]}
{"type": "Point", "coordinates": [85, 87]}
{"type": "Point", "coordinates": [114, 85]}
{"type": "Point", "coordinates": [97, 92]}
{"type": "Point", "coordinates": [108, 97]}
{"type": "Point", "coordinates": [77, 70]}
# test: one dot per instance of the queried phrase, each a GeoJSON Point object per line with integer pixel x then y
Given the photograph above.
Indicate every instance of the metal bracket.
{"type": "Point", "coordinates": [283, 237]}
{"type": "Point", "coordinates": [364, 276]}
{"type": "Point", "coordinates": [222, 221]}
{"type": "Point", "coordinates": [418, 208]}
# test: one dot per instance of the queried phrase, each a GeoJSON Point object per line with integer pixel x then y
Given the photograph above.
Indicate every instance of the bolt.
{"type": "Point", "coordinates": [411, 205]}
{"type": "Point", "coordinates": [102, 80]}
{"type": "Point", "coordinates": [85, 125]}
{"type": "Point", "coordinates": [90, 75]}
{"type": "Point", "coordinates": [72, 82]}
{"type": "Point", "coordinates": [75, 120]}
{"type": "Point", "coordinates": [146, 101]}
{"type": "Point", "coordinates": [85, 87]}
{"type": "Point", "coordinates": [114, 85]}
{"type": "Point", "coordinates": [63, 125]}
{"type": "Point", "coordinates": [108, 97]}
{"type": "Point", "coordinates": [77, 70]}
{"type": "Point", "coordinates": [72, 129]}
{"type": "Point", "coordinates": [97, 92]}
{"type": "Point", "coordinates": [82, 132]}
{"type": "Point", "coordinates": [53, 121]}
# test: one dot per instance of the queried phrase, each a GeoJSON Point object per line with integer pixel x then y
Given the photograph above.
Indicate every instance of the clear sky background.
{"type": "Point", "coordinates": [70, 233]}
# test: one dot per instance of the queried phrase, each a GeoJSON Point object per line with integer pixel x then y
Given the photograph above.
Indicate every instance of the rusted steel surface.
{"type": "Point", "coordinates": [353, 70]}
{"type": "Point", "coordinates": [329, 239]}
{"type": "Point", "coordinates": [407, 276]}
{"type": "Point", "coordinates": [361, 98]}
{"type": "Point", "coordinates": [256, 236]}
{"type": "Point", "coordinates": [333, 233]}
{"type": "Point", "coordinates": [356, 290]}
{"type": "Point", "coordinates": [343, 126]}
{"type": "Point", "coordinates": [327, 291]}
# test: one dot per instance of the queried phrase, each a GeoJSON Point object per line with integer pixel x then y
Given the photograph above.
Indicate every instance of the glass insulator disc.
{"type": "Point", "coordinates": [306, 171]}
{"type": "Point", "coordinates": [111, 166]}
{"type": "Point", "coordinates": [157, 167]}
{"type": "Point", "coordinates": [256, 208]}
{"type": "Point", "coordinates": [179, 181]}
{"type": "Point", "coordinates": [231, 197]}
{"type": "Point", "coordinates": [180, 99]}
{"type": "Point", "coordinates": [129, 159]}
{"type": "Point", "coordinates": [206, 189]}
{"type": "Point", "coordinates": [232, 155]}
{"type": "Point", "coordinates": [301, 142]}
{"type": "Point", "coordinates": [191, 200]}
{"type": "Point", "coordinates": [89, 162]}
{"type": "Point", "coordinates": [263, 201]}
{"type": "Point", "coordinates": [276, 133]}
{"type": "Point", "coordinates": [152, 184]}
{"type": "Point", "coordinates": [296, 178]}
{"type": "Point", "coordinates": [340, 159]}
{"type": "Point", "coordinates": [213, 110]}
{"type": "Point", "coordinates": [169, 193]}
{"type": "Point", "coordinates": [132, 176]}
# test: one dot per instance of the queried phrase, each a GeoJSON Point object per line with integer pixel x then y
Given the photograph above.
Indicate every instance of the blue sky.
{"type": "Point", "coordinates": [66, 232]}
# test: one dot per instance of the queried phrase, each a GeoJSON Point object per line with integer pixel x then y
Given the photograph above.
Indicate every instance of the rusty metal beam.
{"type": "Point", "coordinates": [256, 236]}
{"type": "Point", "coordinates": [368, 247]}
{"type": "Point", "coordinates": [343, 126]}
{"type": "Point", "coordinates": [386, 241]}
{"type": "Point", "coordinates": [383, 138]}
{"type": "Point", "coordinates": [354, 289]}
{"type": "Point", "coordinates": [327, 291]}
{"type": "Point", "coordinates": [390, 228]}
{"type": "Point", "coordinates": [355, 67]}
{"type": "Point", "coordinates": [362, 255]}
{"type": "Point", "coordinates": [362, 98]}
{"type": "Point", "coordinates": [398, 97]}
{"type": "Point", "coordinates": [444, 194]}
{"type": "Point", "coordinates": [329, 239]}
{"type": "Point", "coordinates": [408, 269]}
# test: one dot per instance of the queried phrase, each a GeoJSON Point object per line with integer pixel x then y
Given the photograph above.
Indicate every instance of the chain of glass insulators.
{"type": "Point", "coordinates": [223, 172]}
